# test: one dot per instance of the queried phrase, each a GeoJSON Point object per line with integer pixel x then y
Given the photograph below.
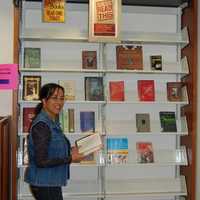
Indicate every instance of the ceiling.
{"type": "Point", "coordinates": [165, 3]}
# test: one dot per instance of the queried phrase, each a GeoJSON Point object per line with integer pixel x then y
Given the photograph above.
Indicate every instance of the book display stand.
{"type": "Point", "coordinates": [127, 105]}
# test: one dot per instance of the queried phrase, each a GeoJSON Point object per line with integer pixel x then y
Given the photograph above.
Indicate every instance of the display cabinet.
{"type": "Point", "coordinates": [61, 47]}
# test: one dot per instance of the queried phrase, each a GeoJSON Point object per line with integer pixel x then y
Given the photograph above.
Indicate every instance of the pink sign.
{"type": "Point", "coordinates": [8, 76]}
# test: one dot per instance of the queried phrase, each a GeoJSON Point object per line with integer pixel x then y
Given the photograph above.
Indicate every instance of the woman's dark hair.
{"type": "Point", "coordinates": [46, 92]}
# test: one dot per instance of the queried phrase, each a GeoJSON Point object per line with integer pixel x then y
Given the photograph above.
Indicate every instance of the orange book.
{"type": "Point", "coordinates": [116, 90]}
{"type": "Point", "coordinates": [146, 90]}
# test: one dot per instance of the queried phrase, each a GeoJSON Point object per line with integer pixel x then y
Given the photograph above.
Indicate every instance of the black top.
{"type": "Point", "coordinates": [41, 141]}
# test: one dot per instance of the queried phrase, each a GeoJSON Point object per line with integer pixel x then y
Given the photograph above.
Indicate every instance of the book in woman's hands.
{"type": "Point", "coordinates": [89, 144]}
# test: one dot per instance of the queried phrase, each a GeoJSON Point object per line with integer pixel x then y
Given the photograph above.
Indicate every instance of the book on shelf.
{"type": "Point", "coordinates": [129, 57]}
{"type": "Point", "coordinates": [117, 150]}
{"type": "Point", "coordinates": [145, 152]}
{"type": "Point", "coordinates": [89, 159]}
{"type": "Point", "coordinates": [174, 91]}
{"type": "Point", "coordinates": [28, 115]}
{"type": "Point", "coordinates": [146, 90]}
{"type": "Point", "coordinates": [63, 118]}
{"type": "Point", "coordinates": [156, 62]}
{"type": "Point", "coordinates": [32, 57]}
{"type": "Point", "coordinates": [70, 89]}
{"type": "Point", "coordinates": [94, 89]}
{"type": "Point", "coordinates": [25, 159]}
{"type": "Point", "coordinates": [31, 87]}
{"type": "Point", "coordinates": [116, 90]}
{"type": "Point", "coordinates": [89, 144]}
{"type": "Point", "coordinates": [87, 121]}
{"type": "Point", "coordinates": [89, 59]}
{"type": "Point", "coordinates": [168, 121]}
{"type": "Point", "coordinates": [143, 122]}
{"type": "Point", "coordinates": [71, 120]}
{"type": "Point", "coordinates": [53, 11]}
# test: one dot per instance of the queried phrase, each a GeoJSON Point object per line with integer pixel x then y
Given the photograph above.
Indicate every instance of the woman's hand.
{"type": "Point", "coordinates": [76, 156]}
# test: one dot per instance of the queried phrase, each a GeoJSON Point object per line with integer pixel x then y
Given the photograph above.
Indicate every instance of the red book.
{"type": "Point", "coordinates": [116, 90]}
{"type": "Point", "coordinates": [146, 90]}
{"type": "Point", "coordinates": [144, 152]}
{"type": "Point", "coordinates": [28, 115]}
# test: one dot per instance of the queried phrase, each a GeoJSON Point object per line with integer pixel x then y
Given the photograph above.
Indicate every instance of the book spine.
{"type": "Point", "coordinates": [71, 120]}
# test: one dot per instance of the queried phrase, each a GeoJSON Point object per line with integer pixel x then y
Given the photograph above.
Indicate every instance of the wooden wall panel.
{"type": "Point", "coordinates": [189, 19]}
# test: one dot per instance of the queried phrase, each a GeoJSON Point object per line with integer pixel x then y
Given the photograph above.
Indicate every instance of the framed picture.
{"type": "Point", "coordinates": [31, 87]}
{"type": "Point", "coordinates": [104, 20]}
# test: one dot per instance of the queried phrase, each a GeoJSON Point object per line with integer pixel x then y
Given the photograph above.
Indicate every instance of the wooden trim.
{"type": "Point", "coordinates": [4, 158]}
{"type": "Point", "coordinates": [189, 19]}
{"type": "Point", "coordinates": [14, 118]}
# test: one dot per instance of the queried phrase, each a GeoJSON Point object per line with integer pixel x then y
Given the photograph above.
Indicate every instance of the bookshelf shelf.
{"type": "Point", "coordinates": [147, 187]}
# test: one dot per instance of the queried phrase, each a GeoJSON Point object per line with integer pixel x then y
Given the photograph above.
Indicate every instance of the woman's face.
{"type": "Point", "coordinates": [54, 104]}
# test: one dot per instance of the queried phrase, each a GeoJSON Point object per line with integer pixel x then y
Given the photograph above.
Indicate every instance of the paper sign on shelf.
{"type": "Point", "coordinates": [8, 76]}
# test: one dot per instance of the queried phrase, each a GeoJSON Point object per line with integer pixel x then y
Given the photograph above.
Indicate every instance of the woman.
{"type": "Point", "coordinates": [50, 152]}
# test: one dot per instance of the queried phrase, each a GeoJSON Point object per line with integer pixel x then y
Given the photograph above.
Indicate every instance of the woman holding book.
{"type": "Point", "coordinates": [50, 152]}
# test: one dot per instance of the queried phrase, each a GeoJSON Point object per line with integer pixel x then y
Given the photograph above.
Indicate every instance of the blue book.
{"type": "Point", "coordinates": [87, 121]}
{"type": "Point", "coordinates": [117, 149]}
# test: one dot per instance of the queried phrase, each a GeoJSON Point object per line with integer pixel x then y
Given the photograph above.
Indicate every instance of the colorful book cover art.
{"type": "Point", "coordinates": [143, 122]}
{"type": "Point", "coordinates": [156, 62]}
{"type": "Point", "coordinates": [116, 90]}
{"type": "Point", "coordinates": [89, 59]}
{"type": "Point", "coordinates": [54, 11]}
{"type": "Point", "coordinates": [32, 57]}
{"type": "Point", "coordinates": [117, 150]}
{"type": "Point", "coordinates": [104, 21]}
{"type": "Point", "coordinates": [174, 91]}
{"type": "Point", "coordinates": [129, 57]}
{"type": "Point", "coordinates": [87, 121]}
{"type": "Point", "coordinates": [146, 90]}
{"type": "Point", "coordinates": [28, 115]}
{"type": "Point", "coordinates": [168, 121]}
{"type": "Point", "coordinates": [94, 89]}
{"type": "Point", "coordinates": [144, 152]}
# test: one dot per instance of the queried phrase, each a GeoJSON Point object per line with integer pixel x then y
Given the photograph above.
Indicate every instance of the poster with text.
{"type": "Point", "coordinates": [104, 20]}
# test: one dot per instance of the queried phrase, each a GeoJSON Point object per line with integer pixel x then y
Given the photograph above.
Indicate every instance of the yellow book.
{"type": "Point", "coordinates": [54, 11]}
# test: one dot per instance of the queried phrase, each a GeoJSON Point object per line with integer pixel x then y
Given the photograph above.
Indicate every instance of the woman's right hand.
{"type": "Point", "coordinates": [76, 156]}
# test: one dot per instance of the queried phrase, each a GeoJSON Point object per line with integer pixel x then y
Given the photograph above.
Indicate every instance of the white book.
{"type": "Point", "coordinates": [89, 144]}
{"type": "Point", "coordinates": [70, 89]}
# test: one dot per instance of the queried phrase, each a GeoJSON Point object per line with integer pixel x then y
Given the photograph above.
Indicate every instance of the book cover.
{"type": "Point", "coordinates": [53, 11]}
{"type": "Point", "coordinates": [146, 90]}
{"type": "Point", "coordinates": [89, 144]}
{"type": "Point", "coordinates": [143, 122]}
{"type": "Point", "coordinates": [144, 152]}
{"type": "Point", "coordinates": [87, 121]}
{"type": "Point", "coordinates": [89, 159]}
{"type": "Point", "coordinates": [117, 150]}
{"type": "Point", "coordinates": [174, 91]}
{"type": "Point", "coordinates": [32, 57]}
{"type": "Point", "coordinates": [156, 62]}
{"type": "Point", "coordinates": [94, 89]}
{"type": "Point", "coordinates": [31, 87]}
{"type": "Point", "coordinates": [116, 90]}
{"type": "Point", "coordinates": [89, 59]}
{"type": "Point", "coordinates": [70, 89]}
{"type": "Point", "coordinates": [129, 57]}
{"type": "Point", "coordinates": [168, 121]}
{"type": "Point", "coordinates": [25, 159]}
{"type": "Point", "coordinates": [28, 115]}
{"type": "Point", "coordinates": [71, 120]}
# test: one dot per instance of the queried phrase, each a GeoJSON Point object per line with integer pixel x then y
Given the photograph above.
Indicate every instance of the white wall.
{"type": "Point", "coordinates": [6, 51]}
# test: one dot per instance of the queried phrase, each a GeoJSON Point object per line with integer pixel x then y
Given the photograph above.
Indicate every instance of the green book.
{"type": "Point", "coordinates": [32, 57]}
{"type": "Point", "coordinates": [168, 121]}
